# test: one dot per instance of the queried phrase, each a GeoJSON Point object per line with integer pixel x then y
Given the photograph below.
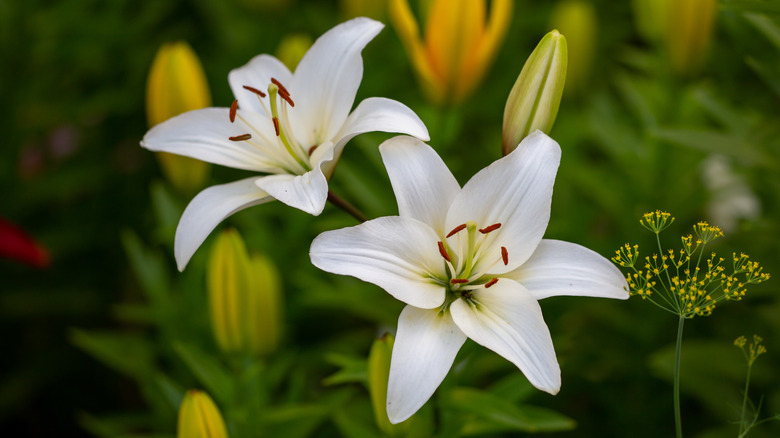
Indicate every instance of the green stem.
{"type": "Point", "coordinates": [742, 424]}
{"type": "Point", "coordinates": [346, 206]}
{"type": "Point", "coordinates": [677, 350]}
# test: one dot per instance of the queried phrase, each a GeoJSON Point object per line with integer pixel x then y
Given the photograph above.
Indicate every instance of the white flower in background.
{"type": "Point", "coordinates": [469, 262]}
{"type": "Point", "coordinates": [294, 131]}
{"type": "Point", "coordinates": [731, 199]}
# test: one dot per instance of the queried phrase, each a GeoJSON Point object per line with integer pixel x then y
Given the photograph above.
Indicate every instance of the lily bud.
{"type": "Point", "coordinates": [292, 48]}
{"type": "Point", "coordinates": [535, 97]}
{"type": "Point", "coordinates": [650, 18]}
{"type": "Point", "coordinates": [459, 46]}
{"type": "Point", "coordinates": [199, 417]}
{"type": "Point", "coordinates": [244, 298]}
{"type": "Point", "coordinates": [688, 33]}
{"type": "Point", "coordinates": [177, 84]}
{"type": "Point", "coordinates": [577, 20]}
{"type": "Point", "coordinates": [378, 375]}
{"type": "Point", "coordinates": [376, 9]}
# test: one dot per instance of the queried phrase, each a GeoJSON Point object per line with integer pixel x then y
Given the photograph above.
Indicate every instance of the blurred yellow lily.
{"type": "Point", "coordinates": [199, 417]}
{"type": "Point", "coordinates": [177, 84]}
{"type": "Point", "coordinates": [688, 33]}
{"type": "Point", "coordinates": [459, 44]}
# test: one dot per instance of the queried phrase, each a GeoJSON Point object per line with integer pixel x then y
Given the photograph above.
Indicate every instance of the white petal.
{"type": "Point", "coordinates": [257, 73]}
{"type": "Point", "coordinates": [397, 254]}
{"type": "Point", "coordinates": [425, 347]}
{"type": "Point", "coordinates": [203, 134]}
{"type": "Point", "coordinates": [423, 186]}
{"type": "Point", "coordinates": [507, 319]}
{"type": "Point", "coordinates": [563, 268]}
{"type": "Point", "coordinates": [515, 191]}
{"type": "Point", "coordinates": [327, 78]}
{"type": "Point", "coordinates": [210, 207]}
{"type": "Point", "coordinates": [307, 192]}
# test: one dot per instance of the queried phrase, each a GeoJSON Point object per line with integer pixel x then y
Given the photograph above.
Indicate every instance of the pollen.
{"type": "Point", "coordinates": [233, 109]}
{"type": "Point", "coordinates": [456, 230]}
{"type": "Point", "coordinates": [459, 280]}
{"type": "Point", "coordinates": [276, 125]}
{"type": "Point", "coordinates": [443, 252]}
{"type": "Point", "coordinates": [254, 90]}
{"type": "Point", "coordinates": [491, 283]}
{"type": "Point", "coordinates": [504, 255]}
{"type": "Point", "coordinates": [281, 87]}
{"type": "Point", "coordinates": [286, 97]}
{"type": "Point", "coordinates": [242, 137]}
{"type": "Point", "coordinates": [489, 228]}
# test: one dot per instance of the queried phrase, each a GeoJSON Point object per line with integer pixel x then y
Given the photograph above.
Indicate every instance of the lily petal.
{"type": "Point", "coordinates": [424, 187]}
{"type": "Point", "coordinates": [307, 192]}
{"type": "Point", "coordinates": [395, 253]}
{"type": "Point", "coordinates": [210, 207]}
{"type": "Point", "coordinates": [257, 73]}
{"type": "Point", "coordinates": [425, 347]}
{"type": "Point", "coordinates": [327, 78]}
{"type": "Point", "coordinates": [563, 268]}
{"type": "Point", "coordinates": [203, 134]}
{"type": "Point", "coordinates": [508, 320]}
{"type": "Point", "coordinates": [515, 191]}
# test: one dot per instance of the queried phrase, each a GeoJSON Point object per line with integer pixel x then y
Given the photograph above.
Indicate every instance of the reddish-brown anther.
{"type": "Point", "coordinates": [456, 230]}
{"type": "Point", "coordinates": [254, 90]}
{"type": "Point", "coordinates": [241, 137]}
{"type": "Point", "coordinates": [491, 283]}
{"type": "Point", "coordinates": [459, 280]}
{"type": "Point", "coordinates": [233, 109]}
{"type": "Point", "coordinates": [311, 149]}
{"type": "Point", "coordinates": [287, 98]}
{"type": "Point", "coordinates": [281, 87]}
{"type": "Point", "coordinates": [504, 255]}
{"type": "Point", "coordinates": [489, 228]}
{"type": "Point", "coordinates": [443, 252]}
{"type": "Point", "coordinates": [276, 126]}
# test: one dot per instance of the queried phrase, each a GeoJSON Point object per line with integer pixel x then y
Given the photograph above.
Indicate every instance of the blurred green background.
{"type": "Point", "coordinates": [104, 340]}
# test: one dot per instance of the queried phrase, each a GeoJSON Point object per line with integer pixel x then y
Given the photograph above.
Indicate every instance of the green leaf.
{"type": "Point", "coordinates": [353, 369]}
{"type": "Point", "coordinates": [710, 141]}
{"type": "Point", "coordinates": [769, 75]}
{"type": "Point", "coordinates": [167, 211]}
{"type": "Point", "coordinates": [766, 26]}
{"type": "Point", "coordinates": [771, 7]}
{"type": "Point", "coordinates": [171, 391]}
{"type": "Point", "coordinates": [493, 414]}
{"type": "Point", "coordinates": [150, 269]}
{"type": "Point", "coordinates": [208, 370]}
{"type": "Point", "coordinates": [129, 354]}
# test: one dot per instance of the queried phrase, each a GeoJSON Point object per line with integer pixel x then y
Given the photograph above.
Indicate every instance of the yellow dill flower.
{"type": "Point", "coordinates": [459, 45]}
{"type": "Point", "coordinates": [199, 417]}
{"type": "Point", "coordinates": [177, 84]}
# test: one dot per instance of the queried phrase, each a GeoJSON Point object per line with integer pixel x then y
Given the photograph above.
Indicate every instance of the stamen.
{"type": "Point", "coordinates": [281, 87]}
{"type": "Point", "coordinates": [491, 283]}
{"type": "Point", "coordinates": [286, 97]}
{"type": "Point", "coordinates": [459, 280]}
{"type": "Point", "coordinates": [456, 230]}
{"type": "Point", "coordinates": [276, 126]}
{"type": "Point", "coordinates": [254, 90]}
{"type": "Point", "coordinates": [311, 151]}
{"type": "Point", "coordinates": [241, 137]}
{"type": "Point", "coordinates": [443, 252]}
{"type": "Point", "coordinates": [490, 228]}
{"type": "Point", "coordinates": [504, 255]}
{"type": "Point", "coordinates": [233, 108]}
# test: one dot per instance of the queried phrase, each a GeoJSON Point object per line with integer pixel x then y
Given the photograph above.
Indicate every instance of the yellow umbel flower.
{"type": "Point", "coordinates": [177, 84]}
{"type": "Point", "coordinates": [199, 417]}
{"type": "Point", "coordinates": [458, 47]}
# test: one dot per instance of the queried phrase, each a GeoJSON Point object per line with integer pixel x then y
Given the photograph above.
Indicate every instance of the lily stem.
{"type": "Point", "coordinates": [677, 350]}
{"type": "Point", "coordinates": [346, 206]}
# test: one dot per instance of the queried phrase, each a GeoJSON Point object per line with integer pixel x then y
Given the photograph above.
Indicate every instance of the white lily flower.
{"type": "Point", "coordinates": [468, 262]}
{"type": "Point", "coordinates": [295, 142]}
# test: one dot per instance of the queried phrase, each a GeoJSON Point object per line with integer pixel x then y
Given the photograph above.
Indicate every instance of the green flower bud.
{"type": "Point", "coordinates": [577, 20]}
{"type": "Point", "coordinates": [244, 298]}
{"type": "Point", "coordinates": [378, 375]}
{"type": "Point", "coordinates": [199, 417]}
{"type": "Point", "coordinates": [535, 97]}
{"type": "Point", "coordinates": [688, 33]}
{"type": "Point", "coordinates": [650, 18]}
{"type": "Point", "coordinates": [292, 48]}
{"type": "Point", "coordinates": [177, 84]}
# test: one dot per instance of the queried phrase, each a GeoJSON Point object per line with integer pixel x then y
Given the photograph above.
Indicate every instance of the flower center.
{"type": "Point", "coordinates": [285, 152]}
{"type": "Point", "coordinates": [462, 253]}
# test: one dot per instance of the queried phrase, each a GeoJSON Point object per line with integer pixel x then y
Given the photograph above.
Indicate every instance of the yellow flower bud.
{"type": "Point", "coordinates": [535, 97]}
{"type": "Point", "coordinates": [375, 9]}
{"type": "Point", "coordinates": [650, 18]}
{"type": "Point", "coordinates": [688, 33]}
{"type": "Point", "coordinates": [577, 20]}
{"type": "Point", "coordinates": [459, 46]}
{"type": "Point", "coordinates": [292, 48]}
{"type": "Point", "coordinates": [177, 84]}
{"type": "Point", "coordinates": [199, 417]}
{"type": "Point", "coordinates": [244, 298]}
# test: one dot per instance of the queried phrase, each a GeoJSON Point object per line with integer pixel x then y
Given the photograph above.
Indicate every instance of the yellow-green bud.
{"type": "Point", "coordinates": [292, 48]}
{"type": "Point", "coordinates": [577, 20]}
{"type": "Point", "coordinates": [244, 298]}
{"type": "Point", "coordinates": [376, 9]}
{"type": "Point", "coordinates": [535, 97]}
{"type": "Point", "coordinates": [650, 18]}
{"type": "Point", "coordinates": [177, 84]}
{"type": "Point", "coordinates": [688, 33]}
{"type": "Point", "coordinates": [378, 375]}
{"type": "Point", "coordinates": [199, 417]}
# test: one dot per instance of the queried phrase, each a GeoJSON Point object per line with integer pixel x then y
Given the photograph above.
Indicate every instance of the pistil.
{"type": "Point", "coordinates": [273, 91]}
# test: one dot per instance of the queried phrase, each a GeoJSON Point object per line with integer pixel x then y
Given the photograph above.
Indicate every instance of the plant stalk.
{"type": "Point", "coordinates": [677, 350]}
